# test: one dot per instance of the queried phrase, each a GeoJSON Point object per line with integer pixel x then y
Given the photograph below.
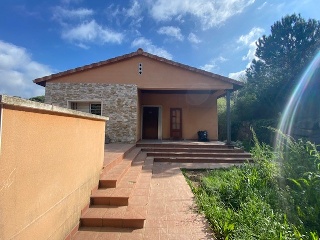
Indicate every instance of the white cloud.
{"type": "Point", "coordinates": [253, 35]}
{"type": "Point", "coordinates": [249, 40]}
{"type": "Point", "coordinates": [91, 32]}
{"type": "Point", "coordinates": [17, 70]}
{"type": "Point", "coordinates": [213, 64]}
{"type": "Point", "coordinates": [133, 14]}
{"type": "Point", "coordinates": [241, 75]}
{"type": "Point", "coordinates": [130, 18]}
{"type": "Point", "coordinates": [134, 10]}
{"type": "Point", "coordinates": [63, 14]}
{"type": "Point", "coordinates": [113, 11]}
{"type": "Point", "coordinates": [251, 52]}
{"type": "Point", "coordinates": [171, 32]}
{"type": "Point", "coordinates": [82, 45]}
{"type": "Point", "coordinates": [193, 38]}
{"type": "Point", "coordinates": [148, 46]}
{"type": "Point", "coordinates": [70, 1]}
{"type": "Point", "coordinates": [210, 13]}
{"type": "Point", "coordinates": [79, 27]}
{"type": "Point", "coordinates": [262, 6]}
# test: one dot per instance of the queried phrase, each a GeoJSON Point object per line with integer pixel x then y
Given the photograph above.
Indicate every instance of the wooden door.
{"type": "Point", "coordinates": [150, 122]}
{"type": "Point", "coordinates": [176, 123]}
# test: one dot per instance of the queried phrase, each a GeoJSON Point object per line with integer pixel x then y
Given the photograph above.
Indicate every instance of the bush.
{"type": "Point", "coordinates": [276, 197]}
{"type": "Point", "coordinates": [40, 99]}
{"type": "Point", "coordinates": [240, 126]}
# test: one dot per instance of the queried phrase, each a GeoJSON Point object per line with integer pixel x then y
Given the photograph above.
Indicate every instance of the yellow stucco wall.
{"type": "Point", "coordinates": [199, 112]}
{"type": "Point", "coordinates": [49, 164]}
{"type": "Point", "coordinates": [159, 75]}
{"type": "Point", "coordinates": [155, 75]}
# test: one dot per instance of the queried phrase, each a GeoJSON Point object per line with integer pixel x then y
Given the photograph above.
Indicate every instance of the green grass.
{"type": "Point", "coordinates": [276, 197]}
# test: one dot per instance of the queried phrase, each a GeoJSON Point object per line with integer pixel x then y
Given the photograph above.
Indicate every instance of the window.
{"type": "Point", "coordinates": [74, 106]}
{"type": "Point", "coordinates": [95, 108]}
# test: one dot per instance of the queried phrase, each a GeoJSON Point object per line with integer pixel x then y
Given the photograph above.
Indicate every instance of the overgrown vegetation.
{"type": "Point", "coordinates": [276, 197]}
{"type": "Point", "coordinates": [280, 60]}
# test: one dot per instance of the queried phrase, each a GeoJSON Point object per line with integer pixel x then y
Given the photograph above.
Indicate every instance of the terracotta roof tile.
{"type": "Point", "coordinates": [42, 81]}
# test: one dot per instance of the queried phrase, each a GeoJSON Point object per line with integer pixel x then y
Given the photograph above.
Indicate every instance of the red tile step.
{"type": "Point", "coordinates": [116, 155]}
{"type": "Point", "coordinates": [113, 210]}
{"type": "Point", "coordinates": [118, 196]}
{"type": "Point", "coordinates": [110, 178]}
{"type": "Point", "coordinates": [122, 206]}
{"type": "Point", "coordinates": [184, 145]}
{"type": "Point", "coordinates": [112, 216]}
{"type": "Point", "coordinates": [199, 155]}
{"type": "Point", "coordinates": [201, 160]}
{"type": "Point", "coordinates": [107, 233]}
{"type": "Point", "coordinates": [194, 150]}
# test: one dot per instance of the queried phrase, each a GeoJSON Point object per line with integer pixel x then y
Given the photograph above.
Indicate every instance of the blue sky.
{"type": "Point", "coordinates": [38, 38]}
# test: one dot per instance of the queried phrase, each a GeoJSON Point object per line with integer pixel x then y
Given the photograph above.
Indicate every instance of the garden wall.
{"type": "Point", "coordinates": [50, 159]}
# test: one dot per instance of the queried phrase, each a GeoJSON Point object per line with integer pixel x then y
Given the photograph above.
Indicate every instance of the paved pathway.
{"type": "Point", "coordinates": [171, 212]}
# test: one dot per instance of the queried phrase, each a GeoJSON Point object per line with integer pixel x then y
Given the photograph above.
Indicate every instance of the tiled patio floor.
{"type": "Point", "coordinates": [165, 199]}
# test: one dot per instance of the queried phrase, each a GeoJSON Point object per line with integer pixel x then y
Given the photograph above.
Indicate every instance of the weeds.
{"type": "Point", "coordinates": [276, 197]}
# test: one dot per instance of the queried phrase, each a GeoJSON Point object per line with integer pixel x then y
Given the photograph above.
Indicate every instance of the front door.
{"type": "Point", "coordinates": [150, 122]}
{"type": "Point", "coordinates": [176, 123]}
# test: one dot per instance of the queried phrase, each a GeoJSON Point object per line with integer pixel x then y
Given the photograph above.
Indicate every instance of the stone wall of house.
{"type": "Point", "coordinates": [119, 103]}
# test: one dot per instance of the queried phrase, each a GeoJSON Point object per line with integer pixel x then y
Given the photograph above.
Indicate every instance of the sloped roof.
{"type": "Point", "coordinates": [42, 81]}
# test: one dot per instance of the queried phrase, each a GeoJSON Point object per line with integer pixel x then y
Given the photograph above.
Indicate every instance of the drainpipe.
{"type": "Point", "coordinates": [228, 119]}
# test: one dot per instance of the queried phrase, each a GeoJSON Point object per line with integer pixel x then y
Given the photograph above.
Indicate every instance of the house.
{"type": "Point", "coordinates": [145, 96]}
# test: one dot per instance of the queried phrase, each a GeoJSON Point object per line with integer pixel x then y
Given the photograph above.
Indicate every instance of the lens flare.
{"type": "Point", "coordinates": [291, 110]}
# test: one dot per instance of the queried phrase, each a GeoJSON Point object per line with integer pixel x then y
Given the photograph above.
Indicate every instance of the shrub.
{"type": "Point", "coordinates": [275, 197]}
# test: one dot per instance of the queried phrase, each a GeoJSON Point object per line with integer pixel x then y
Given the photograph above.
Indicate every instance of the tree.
{"type": "Point", "coordinates": [280, 60]}
{"type": "Point", "coordinates": [38, 99]}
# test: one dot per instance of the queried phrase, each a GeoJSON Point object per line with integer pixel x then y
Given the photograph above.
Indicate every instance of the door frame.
{"type": "Point", "coordinates": [180, 127]}
{"type": "Point", "coordinates": [159, 120]}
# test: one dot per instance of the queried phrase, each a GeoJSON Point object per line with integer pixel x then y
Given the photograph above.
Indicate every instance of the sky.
{"type": "Point", "coordinates": [39, 38]}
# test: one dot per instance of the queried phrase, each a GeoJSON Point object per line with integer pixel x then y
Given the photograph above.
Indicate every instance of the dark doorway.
{"type": "Point", "coordinates": [176, 123]}
{"type": "Point", "coordinates": [150, 122]}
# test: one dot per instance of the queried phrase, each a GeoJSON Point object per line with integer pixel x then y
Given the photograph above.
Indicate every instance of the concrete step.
{"type": "Point", "coordinates": [201, 160]}
{"type": "Point", "coordinates": [186, 149]}
{"type": "Point", "coordinates": [112, 216]}
{"type": "Point", "coordinates": [110, 178]}
{"type": "Point", "coordinates": [199, 154]}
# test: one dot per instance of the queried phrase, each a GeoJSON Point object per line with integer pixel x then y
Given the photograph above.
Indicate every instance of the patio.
{"type": "Point", "coordinates": [160, 195]}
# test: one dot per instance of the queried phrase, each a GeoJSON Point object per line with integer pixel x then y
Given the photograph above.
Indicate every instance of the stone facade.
{"type": "Point", "coordinates": [119, 103]}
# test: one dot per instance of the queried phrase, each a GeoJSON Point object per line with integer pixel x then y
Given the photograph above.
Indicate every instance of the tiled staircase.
{"type": "Point", "coordinates": [121, 197]}
{"type": "Point", "coordinates": [194, 153]}
{"type": "Point", "coordinates": [119, 203]}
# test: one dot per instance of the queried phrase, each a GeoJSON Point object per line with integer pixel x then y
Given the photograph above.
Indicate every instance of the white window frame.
{"type": "Point", "coordinates": [88, 101]}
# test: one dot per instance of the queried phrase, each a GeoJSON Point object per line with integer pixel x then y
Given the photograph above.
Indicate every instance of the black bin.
{"type": "Point", "coordinates": [203, 136]}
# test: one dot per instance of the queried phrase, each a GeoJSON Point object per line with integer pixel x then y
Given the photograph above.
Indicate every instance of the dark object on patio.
{"type": "Point", "coordinates": [203, 136]}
